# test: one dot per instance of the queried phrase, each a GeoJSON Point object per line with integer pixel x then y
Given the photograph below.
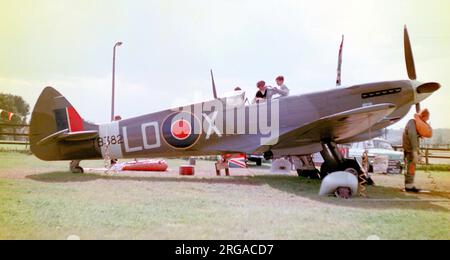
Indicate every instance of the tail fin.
{"type": "Point", "coordinates": [57, 131]}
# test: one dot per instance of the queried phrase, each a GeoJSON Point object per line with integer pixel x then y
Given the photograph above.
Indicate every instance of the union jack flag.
{"type": "Point", "coordinates": [238, 161]}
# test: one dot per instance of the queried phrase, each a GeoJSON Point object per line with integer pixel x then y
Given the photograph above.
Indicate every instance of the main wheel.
{"type": "Point", "coordinates": [311, 174]}
{"type": "Point", "coordinates": [258, 162]}
{"type": "Point", "coordinates": [352, 166]}
{"type": "Point", "coordinates": [325, 169]}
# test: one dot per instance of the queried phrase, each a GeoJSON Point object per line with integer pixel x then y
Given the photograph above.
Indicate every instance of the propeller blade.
{"type": "Point", "coordinates": [418, 108]}
{"type": "Point", "coordinates": [213, 85]}
{"type": "Point", "coordinates": [409, 58]}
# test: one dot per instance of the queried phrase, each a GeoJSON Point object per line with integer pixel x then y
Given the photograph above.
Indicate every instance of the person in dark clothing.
{"type": "Point", "coordinates": [411, 148]}
{"type": "Point", "coordinates": [266, 92]}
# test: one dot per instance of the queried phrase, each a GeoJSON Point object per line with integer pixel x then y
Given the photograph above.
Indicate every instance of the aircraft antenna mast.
{"type": "Point", "coordinates": [213, 85]}
{"type": "Point", "coordinates": [339, 69]}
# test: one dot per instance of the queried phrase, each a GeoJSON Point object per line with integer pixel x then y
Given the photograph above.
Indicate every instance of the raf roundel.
{"type": "Point", "coordinates": [179, 130]}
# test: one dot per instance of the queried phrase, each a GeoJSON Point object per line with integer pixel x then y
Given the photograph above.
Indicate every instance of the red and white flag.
{"type": "Point", "coordinates": [9, 114]}
{"type": "Point", "coordinates": [339, 69]}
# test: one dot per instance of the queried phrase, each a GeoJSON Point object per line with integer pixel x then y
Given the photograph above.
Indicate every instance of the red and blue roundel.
{"type": "Point", "coordinates": [181, 130]}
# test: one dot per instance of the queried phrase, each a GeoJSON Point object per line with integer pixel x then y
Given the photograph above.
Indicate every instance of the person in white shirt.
{"type": "Point", "coordinates": [284, 90]}
{"type": "Point", "coordinates": [267, 92]}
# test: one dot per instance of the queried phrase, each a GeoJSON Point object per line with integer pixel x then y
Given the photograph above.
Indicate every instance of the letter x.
{"type": "Point", "coordinates": [212, 126]}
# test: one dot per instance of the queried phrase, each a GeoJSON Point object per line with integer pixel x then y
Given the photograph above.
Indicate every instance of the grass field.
{"type": "Point", "coordinates": [41, 200]}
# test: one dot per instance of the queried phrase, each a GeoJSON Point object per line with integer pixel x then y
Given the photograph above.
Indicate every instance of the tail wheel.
{"type": "Point", "coordinates": [78, 170]}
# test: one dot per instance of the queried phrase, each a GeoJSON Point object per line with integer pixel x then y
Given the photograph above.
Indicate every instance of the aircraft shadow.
{"type": "Point", "coordinates": [64, 177]}
{"type": "Point", "coordinates": [379, 197]}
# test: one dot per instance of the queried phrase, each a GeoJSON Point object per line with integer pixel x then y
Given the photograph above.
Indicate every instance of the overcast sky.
{"type": "Point", "coordinates": [169, 47]}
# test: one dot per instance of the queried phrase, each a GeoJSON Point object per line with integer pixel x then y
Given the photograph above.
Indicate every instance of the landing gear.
{"type": "Point", "coordinates": [334, 162]}
{"type": "Point", "coordinates": [75, 167]}
{"type": "Point", "coordinates": [259, 162]}
{"type": "Point", "coordinates": [305, 167]}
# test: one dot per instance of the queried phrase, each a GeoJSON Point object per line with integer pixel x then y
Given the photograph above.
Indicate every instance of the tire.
{"type": "Point", "coordinates": [259, 162]}
{"type": "Point", "coordinates": [325, 170]}
{"type": "Point", "coordinates": [78, 170]}
{"type": "Point", "coordinates": [310, 174]}
{"type": "Point", "coordinates": [353, 167]}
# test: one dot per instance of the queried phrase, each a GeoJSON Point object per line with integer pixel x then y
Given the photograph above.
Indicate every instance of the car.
{"type": "Point", "coordinates": [378, 147]}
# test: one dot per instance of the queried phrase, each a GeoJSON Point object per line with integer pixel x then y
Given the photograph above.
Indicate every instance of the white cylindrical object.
{"type": "Point", "coordinates": [335, 180]}
{"type": "Point", "coordinates": [282, 166]}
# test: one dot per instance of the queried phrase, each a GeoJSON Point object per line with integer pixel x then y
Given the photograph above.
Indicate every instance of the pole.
{"type": "Point", "coordinates": [114, 80]}
{"type": "Point", "coordinates": [113, 83]}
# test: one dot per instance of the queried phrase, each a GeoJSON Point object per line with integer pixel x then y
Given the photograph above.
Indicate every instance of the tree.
{"type": "Point", "coordinates": [16, 105]}
{"type": "Point", "coordinates": [440, 140]}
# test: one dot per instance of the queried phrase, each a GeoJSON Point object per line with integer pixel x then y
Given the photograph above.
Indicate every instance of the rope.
{"type": "Point", "coordinates": [361, 180]}
{"type": "Point", "coordinates": [430, 175]}
{"type": "Point", "coordinates": [107, 160]}
{"type": "Point", "coordinates": [365, 163]}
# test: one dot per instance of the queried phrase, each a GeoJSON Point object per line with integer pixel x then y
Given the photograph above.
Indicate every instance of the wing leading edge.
{"type": "Point", "coordinates": [337, 127]}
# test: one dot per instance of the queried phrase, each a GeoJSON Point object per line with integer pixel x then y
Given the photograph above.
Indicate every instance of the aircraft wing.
{"type": "Point", "coordinates": [65, 135]}
{"type": "Point", "coordinates": [337, 127]}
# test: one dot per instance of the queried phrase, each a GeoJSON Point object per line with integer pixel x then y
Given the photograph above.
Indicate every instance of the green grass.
{"type": "Point", "coordinates": [14, 148]}
{"type": "Point", "coordinates": [40, 200]}
{"type": "Point", "coordinates": [434, 167]}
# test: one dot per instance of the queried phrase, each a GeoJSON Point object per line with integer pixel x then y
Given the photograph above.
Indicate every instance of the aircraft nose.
{"type": "Point", "coordinates": [424, 90]}
{"type": "Point", "coordinates": [428, 88]}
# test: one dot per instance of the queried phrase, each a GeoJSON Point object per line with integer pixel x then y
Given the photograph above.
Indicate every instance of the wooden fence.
{"type": "Point", "coordinates": [16, 131]}
{"type": "Point", "coordinates": [431, 153]}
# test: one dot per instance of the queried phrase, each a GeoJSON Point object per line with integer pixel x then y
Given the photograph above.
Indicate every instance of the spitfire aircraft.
{"type": "Point", "coordinates": [293, 126]}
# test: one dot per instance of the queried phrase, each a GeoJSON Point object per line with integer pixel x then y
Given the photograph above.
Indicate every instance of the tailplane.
{"type": "Point", "coordinates": [58, 132]}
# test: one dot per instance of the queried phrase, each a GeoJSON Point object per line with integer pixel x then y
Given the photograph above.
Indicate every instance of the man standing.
{"type": "Point", "coordinates": [284, 90]}
{"type": "Point", "coordinates": [415, 129]}
{"type": "Point", "coordinates": [267, 92]}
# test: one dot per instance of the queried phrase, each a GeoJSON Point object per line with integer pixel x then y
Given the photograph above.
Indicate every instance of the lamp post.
{"type": "Point", "coordinates": [118, 44]}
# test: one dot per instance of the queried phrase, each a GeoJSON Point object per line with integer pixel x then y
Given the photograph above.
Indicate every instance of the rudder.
{"type": "Point", "coordinates": [53, 114]}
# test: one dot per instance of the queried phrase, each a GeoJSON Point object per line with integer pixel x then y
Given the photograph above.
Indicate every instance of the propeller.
{"type": "Point", "coordinates": [409, 58]}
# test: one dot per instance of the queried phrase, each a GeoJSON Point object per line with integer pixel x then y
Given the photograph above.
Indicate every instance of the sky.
{"type": "Point", "coordinates": [170, 46]}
